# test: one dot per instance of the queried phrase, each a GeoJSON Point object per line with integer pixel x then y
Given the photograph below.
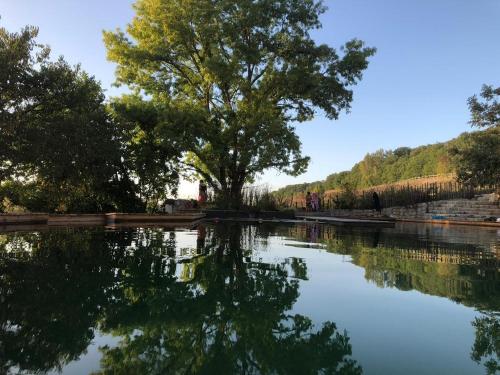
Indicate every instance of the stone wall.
{"type": "Point", "coordinates": [479, 208]}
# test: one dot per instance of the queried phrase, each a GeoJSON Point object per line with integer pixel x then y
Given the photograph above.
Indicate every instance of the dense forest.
{"type": "Point", "coordinates": [387, 166]}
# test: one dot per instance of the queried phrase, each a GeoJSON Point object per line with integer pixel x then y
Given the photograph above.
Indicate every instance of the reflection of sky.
{"type": "Point", "coordinates": [391, 331]}
{"type": "Point", "coordinates": [90, 361]}
{"type": "Point", "coordinates": [185, 239]}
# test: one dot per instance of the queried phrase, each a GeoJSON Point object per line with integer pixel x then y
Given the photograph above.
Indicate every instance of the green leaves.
{"type": "Point", "coordinates": [486, 113]}
{"type": "Point", "coordinates": [150, 152]}
{"type": "Point", "coordinates": [477, 157]}
{"type": "Point", "coordinates": [248, 69]}
{"type": "Point", "coordinates": [55, 133]}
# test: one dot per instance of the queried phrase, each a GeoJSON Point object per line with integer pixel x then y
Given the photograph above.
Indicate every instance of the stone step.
{"type": "Point", "coordinates": [458, 218]}
{"type": "Point", "coordinates": [464, 204]}
{"type": "Point", "coordinates": [461, 210]}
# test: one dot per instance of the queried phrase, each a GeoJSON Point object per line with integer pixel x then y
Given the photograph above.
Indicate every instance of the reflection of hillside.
{"type": "Point", "coordinates": [411, 258]}
{"type": "Point", "coordinates": [471, 244]}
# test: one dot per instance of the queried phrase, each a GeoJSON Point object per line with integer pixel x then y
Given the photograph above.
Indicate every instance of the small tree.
{"type": "Point", "coordinates": [235, 77]}
{"type": "Point", "coordinates": [477, 155]}
{"type": "Point", "coordinates": [485, 114]}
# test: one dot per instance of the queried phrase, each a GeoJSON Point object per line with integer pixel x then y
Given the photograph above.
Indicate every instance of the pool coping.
{"type": "Point", "coordinates": [112, 218]}
{"type": "Point", "coordinates": [119, 219]}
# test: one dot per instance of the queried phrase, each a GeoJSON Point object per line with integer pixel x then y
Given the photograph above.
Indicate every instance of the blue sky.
{"type": "Point", "coordinates": [432, 55]}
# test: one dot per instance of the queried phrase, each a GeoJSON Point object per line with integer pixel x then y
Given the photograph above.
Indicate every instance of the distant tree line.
{"type": "Point", "coordinates": [474, 157]}
{"type": "Point", "coordinates": [384, 167]}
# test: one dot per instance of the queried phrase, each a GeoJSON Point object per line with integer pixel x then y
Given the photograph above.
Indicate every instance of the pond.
{"type": "Point", "coordinates": [230, 298]}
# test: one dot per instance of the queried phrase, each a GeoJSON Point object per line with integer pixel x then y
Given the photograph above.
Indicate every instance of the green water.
{"type": "Point", "coordinates": [251, 299]}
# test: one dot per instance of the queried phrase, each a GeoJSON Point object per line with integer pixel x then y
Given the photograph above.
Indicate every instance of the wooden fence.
{"type": "Point", "coordinates": [390, 197]}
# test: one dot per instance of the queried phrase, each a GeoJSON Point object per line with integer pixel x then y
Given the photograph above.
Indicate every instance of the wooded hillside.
{"type": "Point", "coordinates": [385, 167]}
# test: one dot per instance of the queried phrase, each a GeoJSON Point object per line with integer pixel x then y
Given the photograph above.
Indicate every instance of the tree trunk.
{"type": "Point", "coordinates": [232, 197]}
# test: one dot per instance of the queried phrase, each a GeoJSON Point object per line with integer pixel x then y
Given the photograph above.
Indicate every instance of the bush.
{"type": "Point", "coordinates": [259, 198]}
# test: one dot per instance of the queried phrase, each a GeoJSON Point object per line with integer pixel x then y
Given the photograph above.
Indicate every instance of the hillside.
{"type": "Point", "coordinates": [385, 167]}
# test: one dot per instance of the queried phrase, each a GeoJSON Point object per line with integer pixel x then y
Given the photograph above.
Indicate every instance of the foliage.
{"type": "Point", "coordinates": [8, 207]}
{"type": "Point", "coordinates": [150, 155]}
{"type": "Point", "coordinates": [487, 343]}
{"type": "Point", "coordinates": [384, 167]}
{"type": "Point", "coordinates": [477, 158]}
{"type": "Point", "coordinates": [486, 113]}
{"type": "Point", "coordinates": [54, 128]}
{"type": "Point", "coordinates": [47, 329]}
{"type": "Point", "coordinates": [243, 72]}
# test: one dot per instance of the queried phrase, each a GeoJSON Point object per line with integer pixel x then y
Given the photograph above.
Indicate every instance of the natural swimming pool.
{"type": "Point", "coordinates": [246, 299]}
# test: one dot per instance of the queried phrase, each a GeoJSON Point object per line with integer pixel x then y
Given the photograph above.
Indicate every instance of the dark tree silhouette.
{"type": "Point", "coordinates": [217, 312]}
{"type": "Point", "coordinates": [487, 343]}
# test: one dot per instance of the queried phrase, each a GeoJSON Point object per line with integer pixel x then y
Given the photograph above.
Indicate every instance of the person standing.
{"type": "Point", "coordinates": [202, 193]}
{"type": "Point", "coordinates": [308, 201]}
{"type": "Point", "coordinates": [376, 202]}
{"type": "Point", "coordinates": [315, 201]}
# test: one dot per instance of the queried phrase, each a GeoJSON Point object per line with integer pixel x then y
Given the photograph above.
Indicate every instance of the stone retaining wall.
{"type": "Point", "coordinates": [478, 209]}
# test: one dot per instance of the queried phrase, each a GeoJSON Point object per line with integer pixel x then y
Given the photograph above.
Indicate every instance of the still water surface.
{"type": "Point", "coordinates": [251, 299]}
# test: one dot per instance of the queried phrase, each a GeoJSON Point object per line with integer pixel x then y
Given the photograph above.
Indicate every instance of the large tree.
{"type": "Point", "coordinates": [55, 132]}
{"type": "Point", "coordinates": [243, 72]}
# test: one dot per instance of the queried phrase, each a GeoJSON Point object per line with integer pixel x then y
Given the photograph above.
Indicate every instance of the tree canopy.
{"type": "Point", "coordinates": [242, 73]}
{"type": "Point", "coordinates": [487, 112]}
{"type": "Point", "coordinates": [55, 132]}
{"type": "Point", "coordinates": [477, 158]}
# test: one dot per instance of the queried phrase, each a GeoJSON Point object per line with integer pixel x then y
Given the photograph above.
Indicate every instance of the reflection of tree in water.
{"type": "Point", "coordinates": [462, 272]}
{"type": "Point", "coordinates": [51, 296]}
{"type": "Point", "coordinates": [54, 288]}
{"type": "Point", "coordinates": [230, 317]}
{"type": "Point", "coordinates": [486, 346]}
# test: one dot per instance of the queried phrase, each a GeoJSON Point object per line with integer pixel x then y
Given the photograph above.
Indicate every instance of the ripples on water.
{"type": "Point", "coordinates": [243, 299]}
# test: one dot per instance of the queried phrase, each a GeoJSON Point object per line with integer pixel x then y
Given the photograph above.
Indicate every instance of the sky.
{"type": "Point", "coordinates": [431, 56]}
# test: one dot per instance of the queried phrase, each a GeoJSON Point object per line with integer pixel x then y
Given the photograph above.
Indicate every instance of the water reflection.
{"type": "Point", "coordinates": [461, 264]}
{"type": "Point", "coordinates": [212, 308]}
{"type": "Point", "coordinates": [486, 346]}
